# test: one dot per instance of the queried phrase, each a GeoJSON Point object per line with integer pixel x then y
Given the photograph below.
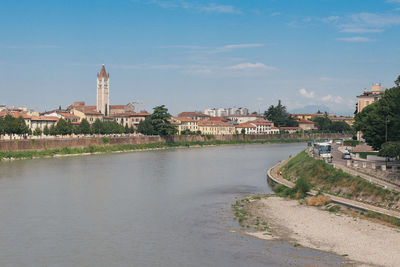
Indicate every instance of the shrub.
{"type": "Point", "coordinates": [302, 186]}
{"type": "Point", "coordinates": [319, 200]}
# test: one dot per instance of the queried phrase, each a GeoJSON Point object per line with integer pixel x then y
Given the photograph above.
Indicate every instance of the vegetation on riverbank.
{"type": "Point", "coordinates": [325, 178]}
{"type": "Point", "coordinates": [247, 220]}
{"type": "Point", "coordinates": [28, 154]}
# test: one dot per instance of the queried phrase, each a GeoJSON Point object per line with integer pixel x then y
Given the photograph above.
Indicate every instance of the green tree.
{"type": "Point", "coordinates": [390, 149]}
{"type": "Point", "coordinates": [324, 124]}
{"type": "Point", "coordinates": [380, 122]}
{"type": "Point", "coordinates": [52, 130]}
{"type": "Point", "coordinates": [127, 130]}
{"type": "Point", "coordinates": [340, 126]}
{"type": "Point", "coordinates": [2, 126]}
{"type": "Point", "coordinates": [37, 131]}
{"type": "Point", "coordinates": [97, 127]}
{"type": "Point", "coordinates": [84, 127]}
{"type": "Point", "coordinates": [46, 130]}
{"type": "Point", "coordinates": [158, 123]}
{"type": "Point", "coordinates": [279, 116]}
{"type": "Point", "coordinates": [397, 81]}
{"type": "Point", "coordinates": [145, 127]}
{"type": "Point", "coordinates": [63, 127]}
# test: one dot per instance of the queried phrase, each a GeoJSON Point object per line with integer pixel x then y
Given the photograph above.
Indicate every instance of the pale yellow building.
{"type": "Point", "coordinates": [184, 123]}
{"type": "Point", "coordinates": [369, 97]}
{"type": "Point", "coordinates": [216, 127]}
{"type": "Point", "coordinates": [90, 115]}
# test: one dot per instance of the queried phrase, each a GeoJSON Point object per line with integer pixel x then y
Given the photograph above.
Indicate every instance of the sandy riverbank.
{"type": "Point", "coordinates": [362, 241]}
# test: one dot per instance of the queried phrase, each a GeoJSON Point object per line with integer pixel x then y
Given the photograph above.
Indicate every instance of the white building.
{"type": "Point", "coordinates": [103, 93]}
{"type": "Point", "coordinates": [223, 112]}
{"type": "Point", "coordinates": [244, 118]}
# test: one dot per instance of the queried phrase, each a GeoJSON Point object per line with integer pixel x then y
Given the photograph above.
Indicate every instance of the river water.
{"type": "Point", "coordinates": [149, 208]}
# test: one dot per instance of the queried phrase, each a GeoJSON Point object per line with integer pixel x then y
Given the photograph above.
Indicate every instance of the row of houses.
{"type": "Point", "coordinates": [123, 114]}
{"type": "Point", "coordinates": [222, 126]}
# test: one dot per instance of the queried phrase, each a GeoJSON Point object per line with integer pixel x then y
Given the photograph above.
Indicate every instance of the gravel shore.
{"type": "Point", "coordinates": [364, 242]}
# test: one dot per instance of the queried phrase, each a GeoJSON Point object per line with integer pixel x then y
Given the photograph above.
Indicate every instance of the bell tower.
{"type": "Point", "coordinates": [103, 93]}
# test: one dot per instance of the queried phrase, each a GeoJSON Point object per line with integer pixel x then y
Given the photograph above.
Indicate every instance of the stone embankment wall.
{"type": "Point", "coordinates": [37, 144]}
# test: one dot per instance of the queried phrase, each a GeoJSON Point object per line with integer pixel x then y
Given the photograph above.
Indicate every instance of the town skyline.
{"type": "Point", "coordinates": [211, 54]}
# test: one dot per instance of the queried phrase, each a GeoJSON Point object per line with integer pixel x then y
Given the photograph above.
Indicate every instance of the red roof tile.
{"type": "Point", "coordinates": [246, 125]}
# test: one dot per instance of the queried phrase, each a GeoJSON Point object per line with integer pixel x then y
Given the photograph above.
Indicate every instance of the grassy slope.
{"type": "Point", "coordinates": [112, 148]}
{"type": "Point", "coordinates": [326, 178]}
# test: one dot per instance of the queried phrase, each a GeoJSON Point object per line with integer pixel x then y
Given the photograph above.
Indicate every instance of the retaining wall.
{"type": "Point", "coordinates": [43, 143]}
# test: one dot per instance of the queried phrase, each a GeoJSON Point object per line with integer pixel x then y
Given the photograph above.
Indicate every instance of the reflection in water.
{"type": "Point", "coordinates": [155, 208]}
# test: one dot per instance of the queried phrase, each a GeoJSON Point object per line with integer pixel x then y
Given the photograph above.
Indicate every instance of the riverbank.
{"type": "Point", "coordinates": [67, 151]}
{"type": "Point", "coordinates": [359, 240]}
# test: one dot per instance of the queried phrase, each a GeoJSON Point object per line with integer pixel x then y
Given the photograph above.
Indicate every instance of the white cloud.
{"type": "Point", "coordinates": [360, 30]}
{"type": "Point", "coordinates": [330, 19]}
{"type": "Point", "coordinates": [197, 5]}
{"type": "Point", "coordinates": [249, 65]}
{"type": "Point", "coordinates": [306, 94]}
{"type": "Point", "coordinates": [236, 46]}
{"type": "Point", "coordinates": [331, 98]}
{"type": "Point", "coordinates": [369, 22]}
{"type": "Point", "coordinates": [355, 39]}
{"type": "Point", "coordinates": [219, 9]}
{"type": "Point", "coordinates": [213, 50]}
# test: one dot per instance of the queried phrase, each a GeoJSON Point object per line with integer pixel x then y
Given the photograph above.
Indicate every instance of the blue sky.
{"type": "Point", "coordinates": [191, 55]}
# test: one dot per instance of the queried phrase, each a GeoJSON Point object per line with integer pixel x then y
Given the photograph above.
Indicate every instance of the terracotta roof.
{"type": "Point", "coordinates": [91, 112]}
{"type": "Point", "coordinates": [305, 122]}
{"type": "Point", "coordinates": [68, 115]}
{"type": "Point", "coordinates": [184, 119]}
{"type": "Point", "coordinates": [15, 114]}
{"type": "Point", "coordinates": [117, 106]}
{"type": "Point", "coordinates": [44, 118]}
{"type": "Point", "coordinates": [214, 123]}
{"type": "Point", "coordinates": [217, 119]}
{"type": "Point", "coordinates": [246, 125]}
{"type": "Point", "coordinates": [103, 73]}
{"type": "Point", "coordinates": [192, 114]}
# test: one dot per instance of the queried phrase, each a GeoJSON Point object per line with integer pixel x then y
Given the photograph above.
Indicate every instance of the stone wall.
{"type": "Point", "coordinates": [37, 144]}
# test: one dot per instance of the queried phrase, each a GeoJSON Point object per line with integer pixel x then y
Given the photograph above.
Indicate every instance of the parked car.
{"type": "Point", "coordinates": [339, 142]}
{"type": "Point", "coordinates": [346, 155]}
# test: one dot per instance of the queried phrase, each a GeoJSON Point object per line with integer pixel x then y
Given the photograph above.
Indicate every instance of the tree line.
{"type": "Point", "coordinates": [379, 122]}
{"type": "Point", "coordinates": [281, 118]}
{"type": "Point", "coordinates": [11, 125]}
{"type": "Point", "coordinates": [65, 127]}
{"type": "Point", "coordinates": [17, 126]}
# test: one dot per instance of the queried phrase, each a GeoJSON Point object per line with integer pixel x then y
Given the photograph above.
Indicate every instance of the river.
{"type": "Point", "coordinates": [150, 208]}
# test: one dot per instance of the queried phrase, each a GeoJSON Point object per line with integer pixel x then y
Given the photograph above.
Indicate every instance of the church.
{"type": "Point", "coordinates": [123, 114]}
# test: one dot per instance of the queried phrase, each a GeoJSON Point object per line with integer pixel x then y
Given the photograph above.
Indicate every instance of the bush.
{"type": "Point", "coordinates": [319, 200]}
{"type": "Point", "coordinates": [302, 186]}
{"type": "Point", "coordinates": [279, 188]}
{"type": "Point", "coordinates": [351, 143]}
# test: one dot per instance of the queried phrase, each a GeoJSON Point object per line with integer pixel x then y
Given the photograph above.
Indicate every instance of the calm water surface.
{"type": "Point", "coordinates": [154, 208]}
